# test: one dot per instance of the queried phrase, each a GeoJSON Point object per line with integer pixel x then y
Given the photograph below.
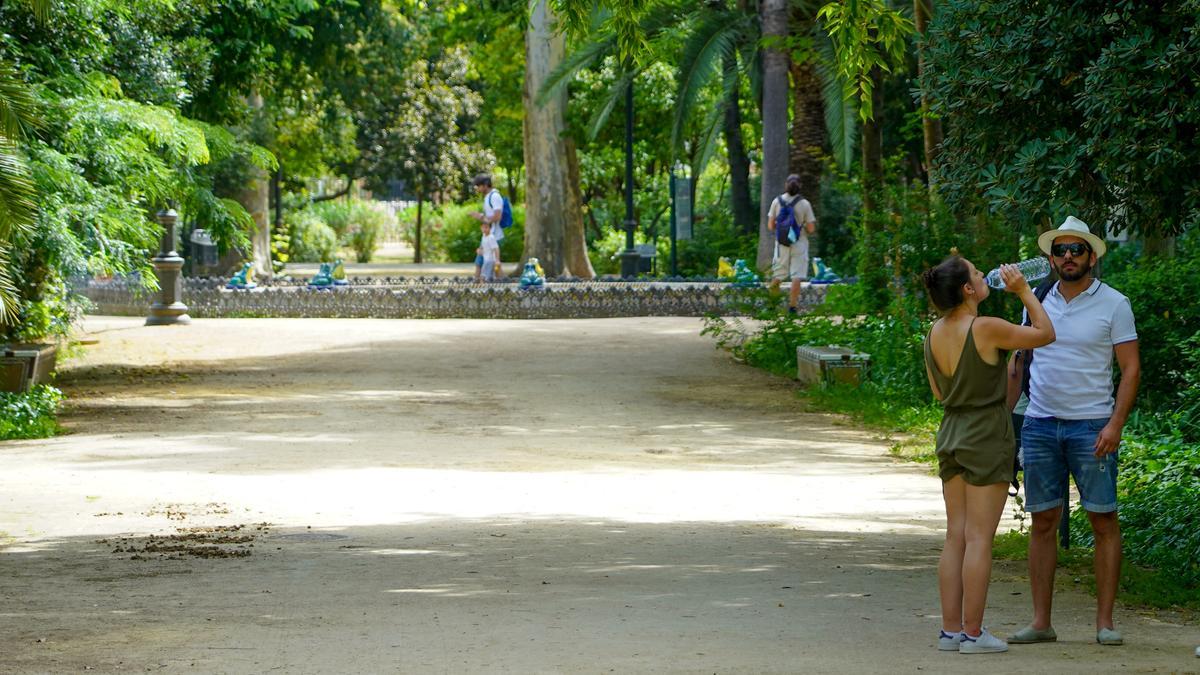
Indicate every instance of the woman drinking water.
{"type": "Point", "coordinates": [965, 358]}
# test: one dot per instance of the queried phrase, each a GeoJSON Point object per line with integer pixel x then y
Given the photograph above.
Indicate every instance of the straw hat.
{"type": "Point", "coordinates": [1072, 227]}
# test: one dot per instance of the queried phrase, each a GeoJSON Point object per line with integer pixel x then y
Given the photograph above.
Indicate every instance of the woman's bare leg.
{"type": "Point", "coordinates": [950, 566]}
{"type": "Point", "coordinates": [984, 506]}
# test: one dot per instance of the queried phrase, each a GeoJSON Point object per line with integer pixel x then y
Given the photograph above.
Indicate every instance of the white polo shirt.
{"type": "Point", "coordinates": [1072, 377]}
{"type": "Point", "coordinates": [493, 202]}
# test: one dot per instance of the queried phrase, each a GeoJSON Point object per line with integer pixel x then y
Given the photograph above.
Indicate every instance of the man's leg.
{"type": "Point", "coordinates": [779, 266]}
{"type": "Point", "coordinates": [794, 294]}
{"type": "Point", "coordinates": [797, 271]}
{"type": "Point", "coordinates": [1046, 472]}
{"type": "Point", "coordinates": [1043, 559]}
{"type": "Point", "coordinates": [1107, 564]}
{"type": "Point", "coordinates": [1096, 478]}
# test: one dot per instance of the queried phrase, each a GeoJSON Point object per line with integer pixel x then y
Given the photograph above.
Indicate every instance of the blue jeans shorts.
{"type": "Point", "coordinates": [1051, 449]}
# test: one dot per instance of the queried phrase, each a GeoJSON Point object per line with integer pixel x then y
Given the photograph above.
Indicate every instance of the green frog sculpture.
{"type": "Point", "coordinates": [243, 280]}
{"type": "Point", "coordinates": [323, 278]}
{"type": "Point", "coordinates": [822, 274]}
{"type": "Point", "coordinates": [339, 274]}
{"type": "Point", "coordinates": [329, 275]}
{"type": "Point", "coordinates": [532, 276]}
{"type": "Point", "coordinates": [743, 275]}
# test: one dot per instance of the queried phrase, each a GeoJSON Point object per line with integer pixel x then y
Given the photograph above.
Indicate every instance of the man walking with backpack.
{"type": "Point", "coordinates": [497, 212]}
{"type": "Point", "coordinates": [1073, 423]}
{"type": "Point", "coordinates": [791, 219]}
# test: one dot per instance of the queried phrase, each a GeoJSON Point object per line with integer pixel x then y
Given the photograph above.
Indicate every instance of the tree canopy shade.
{"type": "Point", "coordinates": [1083, 108]}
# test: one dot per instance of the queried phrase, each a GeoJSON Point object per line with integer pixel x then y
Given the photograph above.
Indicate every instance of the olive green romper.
{"type": "Point", "coordinates": [976, 435]}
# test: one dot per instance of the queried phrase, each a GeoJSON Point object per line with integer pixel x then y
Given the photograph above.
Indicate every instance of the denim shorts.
{"type": "Point", "coordinates": [1051, 449]}
{"type": "Point", "coordinates": [478, 260]}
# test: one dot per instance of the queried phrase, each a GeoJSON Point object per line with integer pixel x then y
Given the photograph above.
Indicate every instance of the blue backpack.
{"type": "Point", "coordinates": [506, 219]}
{"type": "Point", "coordinates": [787, 230]}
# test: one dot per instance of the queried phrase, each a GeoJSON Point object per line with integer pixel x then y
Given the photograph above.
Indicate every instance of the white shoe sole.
{"type": "Point", "coordinates": [974, 649]}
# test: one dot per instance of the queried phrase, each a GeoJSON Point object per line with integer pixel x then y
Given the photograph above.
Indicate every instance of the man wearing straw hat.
{"type": "Point", "coordinates": [1073, 423]}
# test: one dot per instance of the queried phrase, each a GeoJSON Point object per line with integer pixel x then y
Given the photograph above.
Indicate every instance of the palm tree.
{"type": "Point", "coordinates": [774, 117]}
{"type": "Point", "coordinates": [17, 207]}
{"type": "Point", "coordinates": [721, 41]}
{"type": "Point", "coordinates": [18, 117]}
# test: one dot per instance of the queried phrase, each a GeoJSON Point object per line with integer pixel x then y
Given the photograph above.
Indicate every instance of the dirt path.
{"type": "Point", "coordinates": [333, 496]}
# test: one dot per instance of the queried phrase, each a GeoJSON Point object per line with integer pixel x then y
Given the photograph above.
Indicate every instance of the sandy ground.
{"type": "Point", "coordinates": [330, 496]}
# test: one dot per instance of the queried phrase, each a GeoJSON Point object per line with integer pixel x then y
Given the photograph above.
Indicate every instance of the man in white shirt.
{"type": "Point", "coordinates": [493, 210]}
{"type": "Point", "coordinates": [1073, 423]}
{"type": "Point", "coordinates": [791, 262]}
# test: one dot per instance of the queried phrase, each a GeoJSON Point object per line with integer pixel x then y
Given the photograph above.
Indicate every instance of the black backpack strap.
{"type": "Point", "coordinates": [1040, 293]}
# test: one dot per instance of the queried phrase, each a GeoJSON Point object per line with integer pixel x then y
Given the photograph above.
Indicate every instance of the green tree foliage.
{"type": "Point", "coordinates": [1081, 108]}
{"type": "Point", "coordinates": [29, 414]}
{"type": "Point", "coordinates": [867, 35]}
{"type": "Point", "coordinates": [113, 146]}
{"type": "Point", "coordinates": [426, 135]}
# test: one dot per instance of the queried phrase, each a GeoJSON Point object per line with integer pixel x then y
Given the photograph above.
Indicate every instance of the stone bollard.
{"type": "Point", "coordinates": [169, 308]}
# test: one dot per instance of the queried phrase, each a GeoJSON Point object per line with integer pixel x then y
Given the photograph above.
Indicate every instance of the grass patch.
{"type": "Point", "coordinates": [1140, 586]}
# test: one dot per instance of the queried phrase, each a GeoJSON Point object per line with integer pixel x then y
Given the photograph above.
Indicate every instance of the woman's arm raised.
{"type": "Point", "coordinates": [1004, 335]}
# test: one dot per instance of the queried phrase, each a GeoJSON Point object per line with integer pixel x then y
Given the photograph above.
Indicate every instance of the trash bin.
{"type": "Point", "coordinates": [204, 249]}
{"type": "Point", "coordinates": [647, 254]}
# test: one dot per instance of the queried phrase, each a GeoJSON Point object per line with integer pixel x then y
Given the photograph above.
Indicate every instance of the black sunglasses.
{"type": "Point", "coordinates": [1077, 249]}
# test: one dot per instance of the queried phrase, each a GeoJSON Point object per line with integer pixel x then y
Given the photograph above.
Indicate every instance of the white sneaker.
{"type": "Point", "coordinates": [948, 642]}
{"type": "Point", "coordinates": [984, 643]}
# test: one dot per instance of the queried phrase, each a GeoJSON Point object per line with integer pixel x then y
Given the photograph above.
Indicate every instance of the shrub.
{"type": "Point", "coordinates": [1168, 333]}
{"type": "Point", "coordinates": [714, 236]}
{"type": "Point", "coordinates": [311, 239]}
{"type": "Point", "coordinates": [602, 250]}
{"type": "Point", "coordinates": [450, 234]}
{"type": "Point", "coordinates": [1156, 489]}
{"type": "Point", "coordinates": [358, 224]}
{"type": "Point", "coordinates": [30, 414]}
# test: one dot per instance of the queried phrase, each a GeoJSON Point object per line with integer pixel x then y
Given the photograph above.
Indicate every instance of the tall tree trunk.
{"type": "Point", "coordinates": [417, 243]}
{"type": "Point", "coordinates": [932, 127]}
{"type": "Point", "coordinates": [578, 263]}
{"type": "Point", "coordinates": [255, 197]}
{"type": "Point", "coordinates": [872, 268]}
{"type": "Point", "coordinates": [774, 119]}
{"type": "Point", "coordinates": [810, 138]}
{"type": "Point", "coordinates": [740, 201]}
{"type": "Point", "coordinates": [872, 146]}
{"type": "Point", "coordinates": [551, 205]}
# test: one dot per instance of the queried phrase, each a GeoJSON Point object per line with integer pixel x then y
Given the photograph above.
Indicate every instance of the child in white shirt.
{"type": "Point", "coordinates": [489, 250]}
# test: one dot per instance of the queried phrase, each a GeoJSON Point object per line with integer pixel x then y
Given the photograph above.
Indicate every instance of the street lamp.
{"type": "Point", "coordinates": [168, 309]}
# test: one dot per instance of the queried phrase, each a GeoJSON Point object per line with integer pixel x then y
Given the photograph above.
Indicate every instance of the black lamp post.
{"type": "Point", "coordinates": [629, 257]}
{"type": "Point", "coordinates": [169, 308]}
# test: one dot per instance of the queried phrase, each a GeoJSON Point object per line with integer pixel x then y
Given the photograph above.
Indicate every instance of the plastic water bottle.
{"type": "Point", "coordinates": [1034, 269]}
